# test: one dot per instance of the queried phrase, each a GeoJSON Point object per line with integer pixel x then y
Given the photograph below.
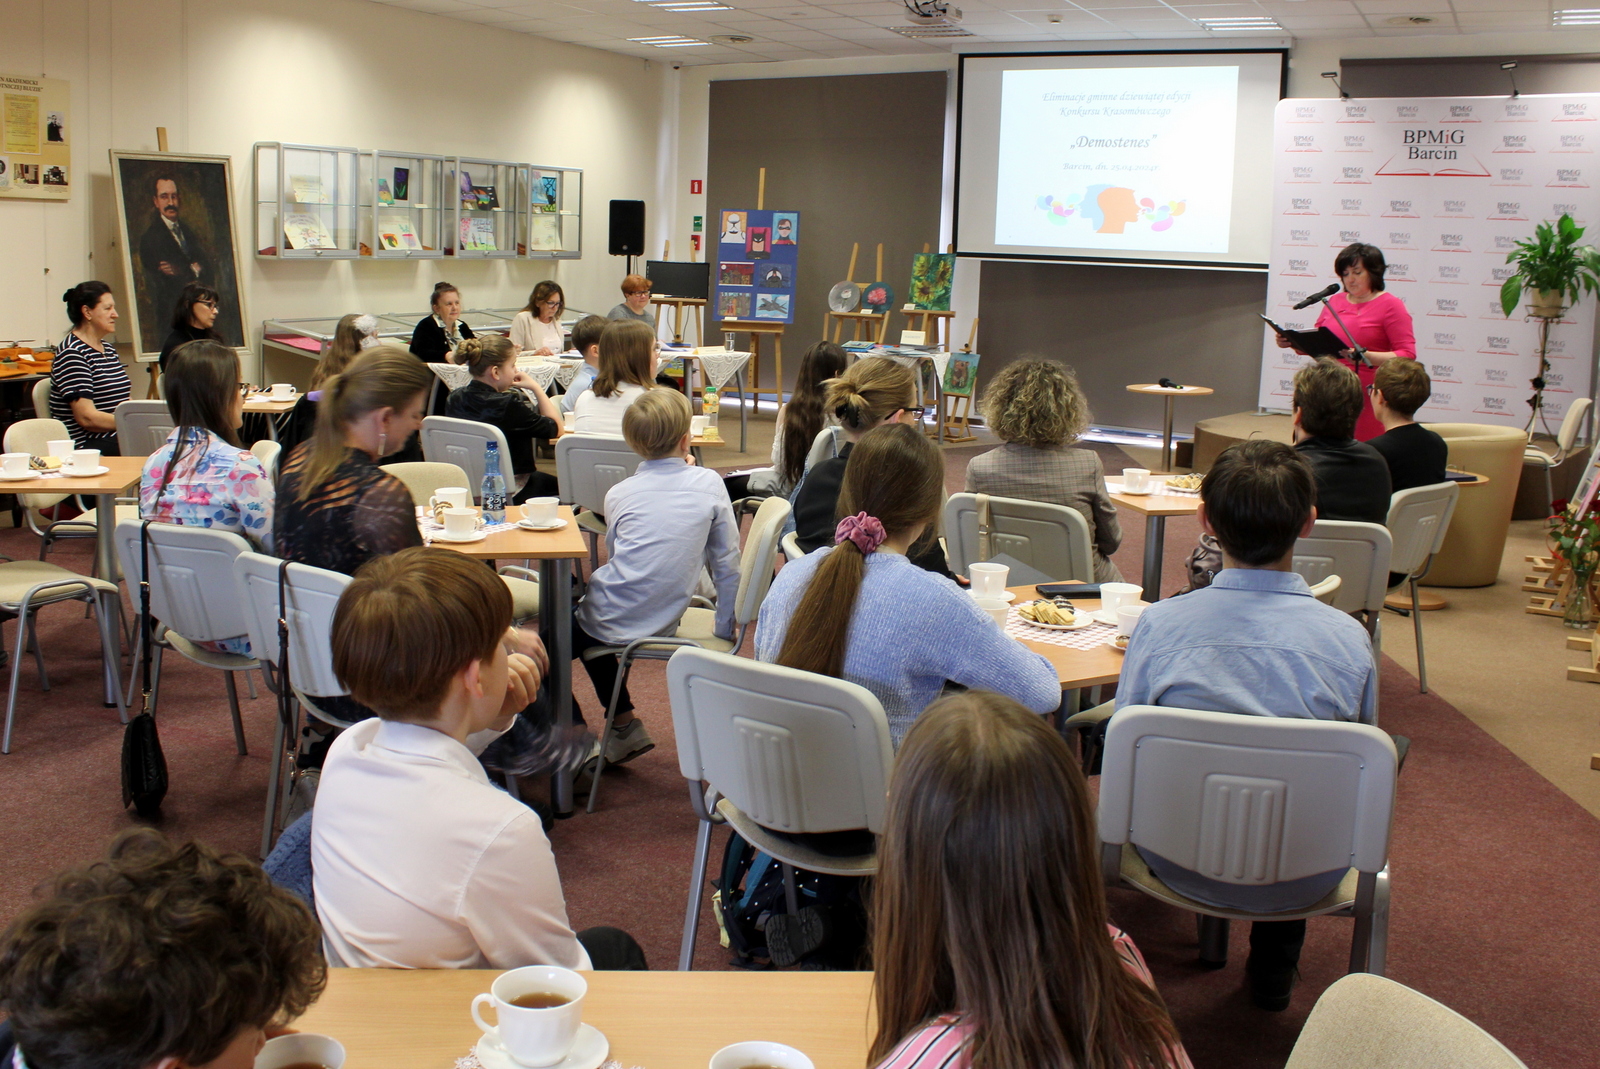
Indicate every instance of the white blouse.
{"type": "Point", "coordinates": [603, 415]}
{"type": "Point", "coordinates": [529, 333]}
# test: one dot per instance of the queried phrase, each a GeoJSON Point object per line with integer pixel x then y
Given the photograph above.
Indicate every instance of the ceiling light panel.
{"type": "Point", "coordinates": [1238, 22]}
{"type": "Point", "coordinates": [669, 41]}
{"type": "Point", "coordinates": [1577, 16]}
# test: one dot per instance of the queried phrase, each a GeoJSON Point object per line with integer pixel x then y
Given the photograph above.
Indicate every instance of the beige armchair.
{"type": "Point", "coordinates": [1477, 538]}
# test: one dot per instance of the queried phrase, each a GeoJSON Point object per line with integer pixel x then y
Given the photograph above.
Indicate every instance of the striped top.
{"type": "Point", "coordinates": [942, 1042]}
{"type": "Point", "coordinates": [81, 370]}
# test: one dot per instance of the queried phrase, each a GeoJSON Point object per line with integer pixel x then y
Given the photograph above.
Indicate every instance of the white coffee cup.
{"type": "Point", "coordinates": [299, 1048]}
{"type": "Point", "coordinates": [541, 511]}
{"type": "Point", "coordinates": [81, 461]}
{"type": "Point", "coordinates": [1127, 617]}
{"type": "Point", "coordinates": [454, 497]}
{"type": "Point", "coordinates": [59, 449]}
{"type": "Point", "coordinates": [698, 425]}
{"type": "Point", "coordinates": [759, 1052]}
{"type": "Point", "coordinates": [1136, 480]}
{"type": "Point", "coordinates": [534, 1036]}
{"type": "Point", "coordinates": [569, 421]}
{"type": "Point", "coordinates": [995, 607]}
{"type": "Point", "coordinates": [460, 523]}
{"type": "Point", "coordinates": [1114, 596]}
{"type": "Point", "coordinates": [988, 579]}
{"type": "Point", "coordinates": [14, 465]}
{"type": "Point", "coordinates": [282, 391]}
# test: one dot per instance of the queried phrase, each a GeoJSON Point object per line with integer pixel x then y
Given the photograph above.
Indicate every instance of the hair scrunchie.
{"type": "Point", "coordinates": [865, 531]}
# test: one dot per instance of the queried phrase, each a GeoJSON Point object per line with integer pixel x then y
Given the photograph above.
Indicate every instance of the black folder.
{"type": "Point", "coordinates": [1319, 342]}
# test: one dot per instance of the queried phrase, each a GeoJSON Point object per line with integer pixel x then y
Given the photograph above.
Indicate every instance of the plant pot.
{"type": "Point", "coordinates": [1547, 303]}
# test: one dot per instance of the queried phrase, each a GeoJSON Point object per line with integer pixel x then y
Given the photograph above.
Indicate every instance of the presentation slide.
{"type": "Point", "coordinates": [1151, 158]}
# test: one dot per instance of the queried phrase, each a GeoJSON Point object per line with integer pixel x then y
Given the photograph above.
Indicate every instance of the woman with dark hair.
{"type": "Point", "coordinates": [537, 328]}
{"type": "Point", "coordinates": [799, 422]}
{"type": "Point", "coordinates": [193, 317]}
{"type": "Point", "coordinates": [87, 381]}
{"type": "Point", "coordinates": [438, 334]}
{"type": "Point", "coordinates": [861, 611]}
{"type": "Point", "coordinates": [990, 940]}
{"type": "Point", "coordinates": [1373, 318]}
{"type": "Point", "coordinates": [355, 332]}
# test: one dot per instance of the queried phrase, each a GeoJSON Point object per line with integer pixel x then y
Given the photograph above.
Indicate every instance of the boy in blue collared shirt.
{"type": "Point", "coordinates": [664, 524]}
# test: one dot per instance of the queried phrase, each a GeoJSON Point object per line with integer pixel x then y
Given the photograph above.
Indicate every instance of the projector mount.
{"type": "Point", "coordinates": [931, 13]}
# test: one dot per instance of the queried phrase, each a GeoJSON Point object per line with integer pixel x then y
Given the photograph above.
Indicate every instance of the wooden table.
{"type": "Point", "coordinates": [555, 551]}
{"type": "Point", "coordinates": [264, 405]}
{"type": "Point", "coordinates": [420, 1019]}
{"type": "Point", "coordinates": [1155, 508]}
{"type": "Point", "coordinates": [1171, 395]}
{"type": "Point", "coordinates": [1077, 668]}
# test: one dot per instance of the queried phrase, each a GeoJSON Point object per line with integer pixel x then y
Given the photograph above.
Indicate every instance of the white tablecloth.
{"type": "Point", "coordinates": [542, 371]}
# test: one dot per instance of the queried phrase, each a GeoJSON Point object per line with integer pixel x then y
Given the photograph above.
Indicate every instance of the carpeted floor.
{"type": "Point", "coordinates": [1493, 867]}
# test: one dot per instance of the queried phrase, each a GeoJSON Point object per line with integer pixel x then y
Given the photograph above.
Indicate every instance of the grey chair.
{"type": "Point", "coordinates": [1359, 554]}
{"type": "Point", "coordinates": [1566, 435]}
{"type": "Point", "coordinates": [1052, 539]}
{"type": "Point", "coordinates": [142, 426]}
{"type": "Point", "coordinates": [1370, 1022]}
{"type": "Point", "coordinates": [464, 442]}
{"type": "Point", "coordinates": [587, 467]}
{"type": "Point", "coordinates": [1419, 519]}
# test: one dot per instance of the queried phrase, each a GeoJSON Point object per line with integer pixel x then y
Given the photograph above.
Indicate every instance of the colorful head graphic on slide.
{"type": "Point", "coordinates": [1110, 209]}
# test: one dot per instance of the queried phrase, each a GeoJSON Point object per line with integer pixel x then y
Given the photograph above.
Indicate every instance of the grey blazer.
{"type": "Point", "coordinates": [1059, 475]}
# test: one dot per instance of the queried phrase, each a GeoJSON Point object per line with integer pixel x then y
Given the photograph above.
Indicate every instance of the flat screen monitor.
{"type": "Point", "coordinates": [674, 278]}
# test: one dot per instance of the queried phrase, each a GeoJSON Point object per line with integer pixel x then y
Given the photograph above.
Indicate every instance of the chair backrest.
{"type": "Point", "coordinates": [759, 557]}
{"type": "Point", "coordinates": [1327, 590]}
{"type": "Point", "coordinates": [161, 385]}
{"type": "Point", "coordinates": [312, 594]}
{"type": "Point", "coordinates": [188, 567]}
{"type": "Point", "coordinates": [1418, 520]}
{"type": "Point", "coordinates": [34, 436]}
{"type": "Point", "coordinates": [1373, 1022]}
{"type": "Point", "coordinates": [790, 543]}
{"type": "Point", "coordinates": [1571, 424]}
{"type": "Point", "coordinates": [1249, 800]}
{"type": "Point", "coordinates": [142, 427]}
{"type": "Point", "coordinates": [1358, 553]}
{"type": "Point", "coordinates": [41, 398]}
{"type": "Point", "coordinates": [824, 446]}
{"type": "Point", "coordinates": [797, 752]}
{"type": "Point", "coordinates": [423, 479]}
{"type": "Point", "coordinates": [267, 451]}
{"type": "Point", "coordinates": [1053, 539]}
{"type": "Point", "coordinates": [589, 465]}
{"type": "Point", "coordinates": [463, 442]}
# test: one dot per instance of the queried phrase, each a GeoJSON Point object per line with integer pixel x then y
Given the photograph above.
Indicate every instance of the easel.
{"type": "Point", "coordinates": [939, 319]}
{"type": "Point", "coordinates": [1586, 675]}
{"type": "Point", "coordinates": [947, 424]}
{"type": "Point", "coordinates": [757, 327]}
{"type": "Point", "coordinates": [1551, 585]}
{"type": "Point", "coordinates": [154, 365]}
{"type": "Point", "coordinates": [834, 322]}
{"type": "Point", "coordinates": [677, 304]}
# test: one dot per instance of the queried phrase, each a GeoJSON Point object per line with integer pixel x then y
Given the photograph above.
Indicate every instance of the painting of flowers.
{"type": "Point", "coordinates": [931, 275]}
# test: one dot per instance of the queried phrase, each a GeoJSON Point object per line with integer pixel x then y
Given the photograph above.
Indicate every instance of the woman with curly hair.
{"type": "Point", "coordinates": [1037, 409]}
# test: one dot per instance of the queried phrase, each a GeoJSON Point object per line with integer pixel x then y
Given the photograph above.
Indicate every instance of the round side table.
{"type": "Point", "coordinates": [1166, 426]}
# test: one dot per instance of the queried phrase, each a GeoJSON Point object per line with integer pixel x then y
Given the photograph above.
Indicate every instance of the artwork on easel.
{"type": "Point", "coordinates": [961, 374]}
{"type": "Point", "coordinates": [758, 259]}
{"type": "Point", "coordinates": [1584, 495]}
{"type": "Point", "coordinates": [931, 276]}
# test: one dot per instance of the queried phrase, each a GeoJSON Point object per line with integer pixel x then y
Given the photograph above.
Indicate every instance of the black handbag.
{"type": "Point", "coordinates": [144, 766]}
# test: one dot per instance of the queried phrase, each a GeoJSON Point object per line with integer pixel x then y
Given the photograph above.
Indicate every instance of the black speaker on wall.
{"type": "Point", "coordinates": [627, 228]}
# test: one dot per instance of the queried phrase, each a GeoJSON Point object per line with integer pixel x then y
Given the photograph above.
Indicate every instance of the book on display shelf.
{"type": "Point", "coordinates": [544, 233]}
{"type": "Point", "coordinates": [396, 225]}
{"type": "Point", "coordinates": [308, 189]}
{"type": "Point", "coordinates": [384, 196]}
{"type": "Point", "coordinates": [305, 231]}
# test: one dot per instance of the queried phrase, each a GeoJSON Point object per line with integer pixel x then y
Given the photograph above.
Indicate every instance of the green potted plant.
{"type": "Point", "coordinates": [1554, 267]}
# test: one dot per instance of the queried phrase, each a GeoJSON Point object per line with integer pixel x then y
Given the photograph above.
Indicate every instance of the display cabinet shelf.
{"type": "Point", "coordinates": [307, 201]}
{"type": "Point", "coordinates": [490, 204]}
{"type": "Point", "coordinates": [410, 203]}
{"type": "Point", "coordinates": [555, 213]}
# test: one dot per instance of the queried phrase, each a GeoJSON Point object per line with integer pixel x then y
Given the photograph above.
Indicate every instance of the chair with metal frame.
{"type": "Point", "coordinates": [269, 452]}
{"type": "Point", "coordinates": [1359, 554]}
{"type": "Point", "coordinates": [1052, 539]}
{"type": "Point", "coordinates": [1566, 435]}
{"type": "Point", "coordinates": [464, 443]}
{"type": "Point", "coordinates": [1372, 1022]}
{"type": "Point", "coordinates": [142, 426]}
{"type": "Point", "coordinates": [587, 467]}
{"type": "Point", "coordinates": [424, 479]}
{"type": "Point", "coordinates": [41, 398]}
{"type": "Point", "coordinates": [1419, 519]}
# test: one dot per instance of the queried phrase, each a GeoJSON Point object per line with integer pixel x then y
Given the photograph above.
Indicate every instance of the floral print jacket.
{"type": "Point", "coordinates": [214, 484]}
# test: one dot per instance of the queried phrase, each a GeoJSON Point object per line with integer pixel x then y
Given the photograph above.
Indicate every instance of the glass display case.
{"type": "Point", "coordinates": [409, 205]}
{"type": "Point", "coordinates": [307, 201]}
{"type": "Point", "coordinates": [490, 208]}
{"type": "Point", "coordinates": [555, 213]}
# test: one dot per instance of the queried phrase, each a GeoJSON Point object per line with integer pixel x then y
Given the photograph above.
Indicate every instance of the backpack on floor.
{"type": "Point", "coordinates": [831, 927]}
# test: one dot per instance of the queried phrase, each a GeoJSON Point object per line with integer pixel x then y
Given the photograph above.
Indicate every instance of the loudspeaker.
{"type": "Point", "coordinates": [627, 228]}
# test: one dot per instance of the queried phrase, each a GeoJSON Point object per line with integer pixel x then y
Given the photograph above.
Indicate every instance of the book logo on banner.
{"type": "Point", "coordinates": [1492, 405]}
{"type": "Point", "coordinates": [1498, 345]}
{"type": "Point", "coordinates": [1453, 209]}
{"type": "Point", "coordinates": [1353, 176]}
{"type": "Point", "coordinates": [1298, 267]}
{"type": "Point", "coordinates": [1515, 111]}
{"type": "Point", "coordinates": [1305, 143]}
{"type": "Point", "coordinates": [1558, 209]}
{"type": "Point", "coordinates": [1355, 143]}
{"type": "Point", "coordinates": [1443, 373]}
{"type": "Point", "coordinates": [1305, 176]}
{"type": "Point", "coordinates": [1355, 113]}
{"type": "Point", "coordinates": [1351, 206]}
{"type": "Point", "coordinates": [1301, 206]}
{"type": "Point", "coordinates": [1399, 272]}
{"type": "Point", "coordinates": [1347, 237]}
{"type": "Point", "coordinates": [1400, 209]}
{"type": "Point", "coordinates": [1514, 143]}
{"type": "Point", "coordinates": [1557, 349]}
{"type": "Point", "coordinates": [1304, 113]}
{"type": "Point", "coordinates": [1400, 240]}
{"type": "Point", "coordinates": [1573, 143]}
{"type": "Point", "coordinates": [1446, 340]}
{"type": "Point", "coordinates": [1459, 113]}
{"type": "Point", "coordinates": [1567, 178]}
{"type": "Point", "coordinates": [1445, 402]}
{"type": "Point", "coordinates": [1449, 274]}
{"type": "Point", "coordinates": [1495, 376]}
{"type": "Point", "coordinates": [1447, 306]}
{"type": "Point", "coordinates": [1557, 381]}
{"type": "Point", "coordinates": [1406, 113]}
{"type": "Point", "coordinates": [1508, 211]}
{"type": "Point", "coordinates": [1452, 243]}
{"type": "Point", "coordinates": [1299, 237]}
{"type": "Point", "coordinates": [1574, 111]}
{"type": "Point", "coordinates": [1512, 176]}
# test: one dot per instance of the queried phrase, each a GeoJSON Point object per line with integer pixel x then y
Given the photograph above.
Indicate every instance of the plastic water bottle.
{"type": "Point", "coordinates": [494, 486]}
{"type": "Point", "coordinates": [710, 403]}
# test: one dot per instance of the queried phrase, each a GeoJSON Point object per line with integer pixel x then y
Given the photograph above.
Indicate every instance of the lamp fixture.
{"type": "Point", "coordinates": [669, 41]}
{"type": "Point", "coordinates": [1238, 22]}
{"type": "Point", "coordinates": [686, 5]}
{"type": "Point", "coordinates": [1577, 16]}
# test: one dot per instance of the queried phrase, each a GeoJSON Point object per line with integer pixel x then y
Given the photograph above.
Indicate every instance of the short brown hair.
{"type": "Point", "coordinates": [627, 354]}
{"type": "Point", "coordinates": [156, 951]}
{"type": "Point", "coordinates": [1037, 403]}
{"type": "Point", "coordinates": [1328, 395]}
{"type": "Point", "coordinates": [484, 351]}
{"type": "Point", "coordinates": [1405, 385]}
{"type": "Point", "coordinates": [1368, 256]}
{"type": "Point", "coordinates": [655, 423]}
{"type": "Point", "coordinates": [635, 284]}
{"type": "Point", "coordinates": [869, 391]}
{"type": "Point", "coordinates": [1258, 496]}
{"type": "Point", "coordinates": [408, 622]}
{"type": "Point", "coordinates": [587, 331]}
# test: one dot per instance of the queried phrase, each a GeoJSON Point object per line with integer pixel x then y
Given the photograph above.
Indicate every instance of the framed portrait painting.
{"type": "Point", "coordinates": [175, 219]}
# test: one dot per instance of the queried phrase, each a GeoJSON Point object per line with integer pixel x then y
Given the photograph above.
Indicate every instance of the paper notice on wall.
{"type": "Point", "coordinates": [21, 123]}
{"type": "Point", "coordinates": [34, 137]}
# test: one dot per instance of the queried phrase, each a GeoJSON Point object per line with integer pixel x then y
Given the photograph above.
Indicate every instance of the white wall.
{"type": "Point", "coordinates": [221, 75]}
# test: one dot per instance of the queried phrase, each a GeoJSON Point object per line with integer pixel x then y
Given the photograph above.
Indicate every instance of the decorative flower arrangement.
{"type": "Point", "coordinates": [1576, 539]}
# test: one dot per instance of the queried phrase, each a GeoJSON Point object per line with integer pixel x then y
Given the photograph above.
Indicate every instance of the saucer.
{"type": "Point", "coordinates": [589, 1050]}
{"type": "Point", "coordinates": [526, 526]}
{"type": "Point", "coordinates": [1004, 595]}
{"type": "Point", "coordinates": [101, 470]}
{"type": "Point", "coordinates": [476, 536]}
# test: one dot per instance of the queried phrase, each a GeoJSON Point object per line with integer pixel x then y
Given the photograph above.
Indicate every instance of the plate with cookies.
{"type": "Point", "coordinates": [1054, 616]}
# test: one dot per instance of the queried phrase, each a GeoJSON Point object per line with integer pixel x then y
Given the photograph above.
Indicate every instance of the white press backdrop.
{"type": "Point", "coordinates": [1444, 186]}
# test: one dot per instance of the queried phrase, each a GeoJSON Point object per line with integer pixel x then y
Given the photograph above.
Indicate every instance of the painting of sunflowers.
{"type": "Point", "coordinates": [931, 274]}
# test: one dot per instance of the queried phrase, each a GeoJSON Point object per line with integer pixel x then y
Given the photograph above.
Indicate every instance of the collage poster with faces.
{"type": "Point", "coordinates": [758, 253]}
{"type": "Point", "coordinates": [1445, 187]}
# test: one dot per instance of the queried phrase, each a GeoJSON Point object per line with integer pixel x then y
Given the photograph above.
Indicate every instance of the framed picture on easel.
{"type": "Point", "coordinates": [1583, 497]}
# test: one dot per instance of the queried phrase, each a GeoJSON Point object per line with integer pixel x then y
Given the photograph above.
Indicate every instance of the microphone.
{"type": "Point", "coordinates": [1317, 296]}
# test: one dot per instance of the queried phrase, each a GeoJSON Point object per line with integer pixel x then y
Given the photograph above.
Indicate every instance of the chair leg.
{"type": "Point", "coordinates": [1369, 943]}
{"type": "Point", "coordinates": [1416, 625]}
{"type": "Point", "coordinates": [233, 706]}
{"type": "Point", "coordinates": [624, 666]}
{"type": "Point", "coordinates": [791, 894]}
{"type": "Point", "coordinates": [250, 683]}
{"type": "Point", "coordinates": [697, 886]}
{"type": "Point", "coordinates": [108, 642]}
{"type": "Point", "coordinates": [16, 671]}
{"type": "Point", "coordinates": [1213, 940]}
{"type": "Point", "coordinates": [38, 654]}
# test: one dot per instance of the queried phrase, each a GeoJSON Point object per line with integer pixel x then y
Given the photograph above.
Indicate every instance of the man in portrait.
{"type": "Point", "coordinates": [170, 253]}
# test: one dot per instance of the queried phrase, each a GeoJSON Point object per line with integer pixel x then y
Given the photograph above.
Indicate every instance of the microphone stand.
{"type": "Point", "coordinates": [1361, 353]}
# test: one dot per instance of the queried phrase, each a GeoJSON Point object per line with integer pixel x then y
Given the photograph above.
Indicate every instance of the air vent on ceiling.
{"type": "Point", "coordinates": [1411, 20]}
{"type": "Point", "coordinates": [731, 39]}
{"type": "Point", "coordinates": [924, 32]}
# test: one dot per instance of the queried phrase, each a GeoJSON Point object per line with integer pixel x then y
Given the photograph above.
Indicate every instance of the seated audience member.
{"type": "Point", "coordinates": [861, 611]}
{"type": "Point", "coordinates": [537, 328]}
{"type": "Point", "coordinates": [354, 334]}
{"type": "Point", "coordinates": [586, 341]}
{"type": "Point", "coordinates": [192, 319]}
{"type": "Point", "coordinates": [990, 818]}
{"type": "Point", "coordinates": [1416, 456]}
{"type": "Point", "coordinates": [202, 476]}
{"type": "Point", "coordinates": [665, 523]}
{"type": "Point", "coordinates": [1254, 642]}
{"type": "Point", "coordinates": [417, 861]}
{"type": "Point", "coordinates": [799, 422]}
{"type": "Point", "coordinates": [496, 395]}
{"type": "Point", "coordinates": [336, 508]}
{"type": "Point", "coordinates": [157, 957]}
{"type": "Point", "coordinates": [1037, 410]}
{"type": "Point", "coordinates": [437, 335]}
{"type": "Point", "coordinates": [1352, 479]}
{"type": "Point", "coordinates": [635, 302]}
{"type": "Point", "coordinates": [871, 393]}
{"type": "Point", "coordinates": [627, 372]}
{"type": "Point", "coordinates": [87, 380]}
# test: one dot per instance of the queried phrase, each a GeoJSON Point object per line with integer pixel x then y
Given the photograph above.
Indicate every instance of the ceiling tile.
{"type": "Point", "coordinates": [1322, 22]}
{"type": "Point", "coordinates": [1387, 8]}
{"type": "Point", "coordinates": [1522, 20]}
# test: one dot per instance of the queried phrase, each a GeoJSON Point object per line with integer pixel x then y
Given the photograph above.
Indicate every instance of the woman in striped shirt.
{"type": "Point", "coordinates": [990, 940]}
{"type": "Point", "coordinates": [87, 380]}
